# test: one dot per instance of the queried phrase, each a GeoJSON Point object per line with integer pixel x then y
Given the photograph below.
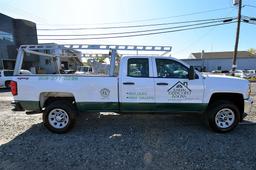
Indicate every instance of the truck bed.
{"type": "Point", "coordinates": [87, 91]}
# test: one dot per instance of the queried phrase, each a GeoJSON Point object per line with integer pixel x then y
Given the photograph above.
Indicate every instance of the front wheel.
{"type": "Point", "coordinates": [223, 116]}
{"type": "Point", "coordinates": [59, 116]}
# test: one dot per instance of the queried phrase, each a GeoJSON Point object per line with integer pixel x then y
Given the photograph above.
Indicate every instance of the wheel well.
{"type": "Point", "coordinates": [48, 97]}
{"type": "Point", "coordinates": [235, 98]}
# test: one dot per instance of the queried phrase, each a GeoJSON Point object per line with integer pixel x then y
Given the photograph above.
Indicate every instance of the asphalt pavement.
{"type": "Point", "coordinates": [112, 141]}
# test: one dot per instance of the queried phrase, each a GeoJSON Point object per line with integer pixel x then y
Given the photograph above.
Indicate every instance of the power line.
{"type": "Point", "coordinates": [194, 41]}
{"type": "Point", "coordinates": [144, 34]}
{"type": "Point", "coordinates": [129, 26]}
{"type": "Point", "coordinates": [227, 19]}
{"type": "Point", "coordinates": [199, 39]}
{"type": "Point", "coordinates": [249, 23]}
{"type": "Point", "coordinates": [130, 32]}
{"type": "Point", "coordinates": [152, 19]}
{"type": "Point", "coordinates": [252, 6]}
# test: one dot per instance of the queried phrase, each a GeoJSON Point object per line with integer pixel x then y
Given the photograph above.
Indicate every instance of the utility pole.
{"type": "Point", "coordinates": [237, 35]}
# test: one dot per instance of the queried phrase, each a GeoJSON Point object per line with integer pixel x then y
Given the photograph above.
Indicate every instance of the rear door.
{"type": "Point", "coordinates": [137, 86]}
{"type": "Point", "coordinates": [174, 91]}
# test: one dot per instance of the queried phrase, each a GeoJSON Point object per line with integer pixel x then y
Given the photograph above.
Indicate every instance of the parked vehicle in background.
{"type": "Point", "coordinates": [69, 71]}
{"type": "Point", "coordinates": [5, 78]}
{"type": "Point", "coordinates": [225, 71]}
{"type": "Point", "coordinates": [221, 72]}
{"type": "Point", "coordinates": [250, 73]}
{"type": "Point", "coordinates": [216, 71]}
{"type": "Point", "coordinates": [84, 70]}
{"type": "Point", "coordinates": [25, 72]}
{"type": "Point", "coordinates": [241, 74]}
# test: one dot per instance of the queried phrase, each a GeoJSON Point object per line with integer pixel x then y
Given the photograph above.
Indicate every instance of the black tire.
{"type": "Point", "coordinates": [214, 121]}
{"type": "Point", "coordinates": [55, 111]}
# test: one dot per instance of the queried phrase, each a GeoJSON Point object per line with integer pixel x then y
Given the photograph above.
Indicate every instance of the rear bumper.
{"type": "Point", "coordinates": [248, 106]}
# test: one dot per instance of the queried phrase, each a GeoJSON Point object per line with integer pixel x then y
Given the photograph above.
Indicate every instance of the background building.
{"type": "Point", "coordinates": [69, 59]}
{"type": "Point", "coordinates": [16, 32]}
{"type": "Point", "coordinates": [50, 58]}
{"type": "Point", "coordinates": [13, 33]}
{"type": "Point", "coordinates": [210, 61]}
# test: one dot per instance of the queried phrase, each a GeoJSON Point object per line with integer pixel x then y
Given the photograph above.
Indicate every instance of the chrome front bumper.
{"type": "Point", "coordinates": [248, 105]}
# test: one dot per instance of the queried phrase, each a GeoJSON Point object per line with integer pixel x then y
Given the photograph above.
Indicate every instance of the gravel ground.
{"type": "Point", "coordinates": [123, 142]}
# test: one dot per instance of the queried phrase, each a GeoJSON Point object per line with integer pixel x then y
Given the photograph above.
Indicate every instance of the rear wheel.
{"type": "Point", "coordinates": [59, 116]}
{"type": "Point", "coordinates": [223, 116]}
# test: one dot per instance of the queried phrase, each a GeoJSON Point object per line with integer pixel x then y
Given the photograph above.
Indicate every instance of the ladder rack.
{"type": "Point", "coordinates": [98, 47]}
{"type": "Point", "coordinates": [112, 48]}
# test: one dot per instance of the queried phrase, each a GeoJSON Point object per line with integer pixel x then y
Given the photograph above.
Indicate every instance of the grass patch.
{"type": "Point", "coordinates": [252, 79]}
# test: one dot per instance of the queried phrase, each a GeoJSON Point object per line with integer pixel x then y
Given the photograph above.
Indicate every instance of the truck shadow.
{"type": "Point", "coordinates": [130, 141]}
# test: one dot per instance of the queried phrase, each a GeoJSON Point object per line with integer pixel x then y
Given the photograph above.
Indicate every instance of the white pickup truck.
{"type": "Point", "coordinates": [144, 84]}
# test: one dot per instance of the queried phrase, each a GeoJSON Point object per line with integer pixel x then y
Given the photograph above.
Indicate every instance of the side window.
{"type": "Point", "coordinates": [171, 69]}
{"type": "Point", "coordinates": [138, 67]}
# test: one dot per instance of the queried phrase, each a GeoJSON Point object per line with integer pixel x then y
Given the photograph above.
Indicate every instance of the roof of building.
{"type": "Point", "coordinates": [223, 54]}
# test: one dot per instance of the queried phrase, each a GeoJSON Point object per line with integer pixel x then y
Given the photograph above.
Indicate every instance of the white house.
{"type": "Point", "coordinates": [210, 61]}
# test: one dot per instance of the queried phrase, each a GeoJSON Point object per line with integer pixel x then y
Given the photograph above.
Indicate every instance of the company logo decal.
{"type": "Point", "coordinates": [23, 78]}
{"type": "Point", "coordinates": [179, 91]}
{"type": "Point", "coordinates": [139, 96]}
{"type": "Point", "coordinates": [104, 92]}
{"type": "Point", "coordinates": [57, 78]}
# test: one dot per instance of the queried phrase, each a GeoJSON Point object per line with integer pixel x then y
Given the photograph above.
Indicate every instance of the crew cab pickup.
{"type": "Point", "coordinates": [144, 84]}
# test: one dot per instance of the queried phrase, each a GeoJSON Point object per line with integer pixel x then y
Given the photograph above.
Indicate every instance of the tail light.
{"type": "Point", "coordinates": [14, 88]}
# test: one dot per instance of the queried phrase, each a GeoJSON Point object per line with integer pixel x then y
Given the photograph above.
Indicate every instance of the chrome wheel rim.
{"type": "Point", "coordinates": [225, 118]}
{"type": "Point", "coordinates": [58, 118]}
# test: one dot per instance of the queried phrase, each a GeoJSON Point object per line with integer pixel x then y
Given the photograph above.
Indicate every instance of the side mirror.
{"type": "Point", "coordinates": [191, 73]}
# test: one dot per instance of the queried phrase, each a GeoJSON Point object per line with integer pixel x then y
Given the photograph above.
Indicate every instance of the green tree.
{"type": "Point", "coordinates": [252, 50]}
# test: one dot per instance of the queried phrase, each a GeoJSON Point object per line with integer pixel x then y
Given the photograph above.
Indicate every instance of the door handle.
{"type": "Point", "coordinates": [162, 84]}
{"type": "Point", "coordinates": [128, 83]}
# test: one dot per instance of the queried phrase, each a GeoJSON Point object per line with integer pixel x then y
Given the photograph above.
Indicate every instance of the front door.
{"type": "Point", "coordinates": [137, 86]}
{"type": "Point", "coordinates": [174, 91]}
